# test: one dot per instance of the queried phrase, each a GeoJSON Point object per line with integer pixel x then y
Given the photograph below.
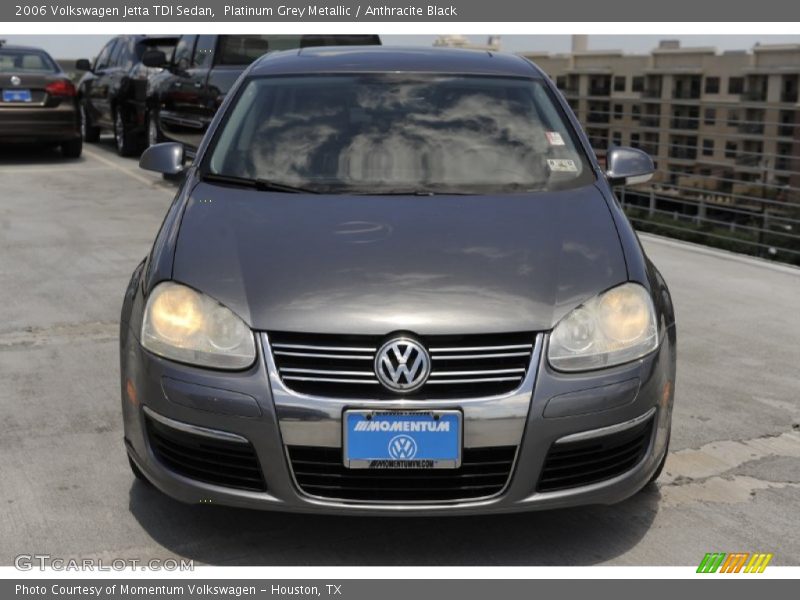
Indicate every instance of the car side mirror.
{"type": "Point", "coordinates": [628, 166]}
{"type": "Point", "coordinates": [83, 65]}
{"type": "Point", "coordinates": [154, 58]}
{"type": "Point", "coordinates": [164, 158]}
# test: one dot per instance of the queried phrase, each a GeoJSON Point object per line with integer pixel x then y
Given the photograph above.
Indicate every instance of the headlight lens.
{"type": "Point", "coordinates": [187, 326]}
{"type": "Point", "coordinates": [613, 328]}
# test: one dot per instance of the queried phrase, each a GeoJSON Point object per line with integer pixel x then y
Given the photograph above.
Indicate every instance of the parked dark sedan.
{"type": "Point", "coordinates": [38, 102]}
{"type": "Point", "coordinates": [201, 72]}
{"type": "Point", "coordinates": [397, 281]}
{"type": "Point", "coordinates": [113, 92]}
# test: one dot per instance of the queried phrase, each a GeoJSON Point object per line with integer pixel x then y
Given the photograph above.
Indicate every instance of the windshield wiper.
{"type": "Point", "coordinates": [262, 185]}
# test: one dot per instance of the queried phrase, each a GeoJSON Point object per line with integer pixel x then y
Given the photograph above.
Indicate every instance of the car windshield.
{"type": "Point", "coordinates": [383, 134]}
{"type": "Point", "coordinates": [16, 61]}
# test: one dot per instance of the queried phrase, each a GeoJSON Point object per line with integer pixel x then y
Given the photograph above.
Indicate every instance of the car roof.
{"type": "Point", "coordinates": [23, 48]}
{"type": "Point", "coordinates": [349, 59]}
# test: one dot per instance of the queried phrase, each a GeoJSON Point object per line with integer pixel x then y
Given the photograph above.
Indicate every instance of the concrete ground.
{"type": "Point", "coordinates": [71, 232]}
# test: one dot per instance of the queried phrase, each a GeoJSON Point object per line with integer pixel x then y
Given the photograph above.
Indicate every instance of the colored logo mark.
{"type": "Point", "coordinates": [735, 562]}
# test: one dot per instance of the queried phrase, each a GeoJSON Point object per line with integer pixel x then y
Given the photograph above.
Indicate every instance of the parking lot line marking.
{"type": "Point", "coordinates": [128, 172]}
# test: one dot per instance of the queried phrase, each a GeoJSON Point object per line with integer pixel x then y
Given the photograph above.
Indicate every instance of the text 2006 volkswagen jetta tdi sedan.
{"type": "Point", "coordinates": [397, 281]}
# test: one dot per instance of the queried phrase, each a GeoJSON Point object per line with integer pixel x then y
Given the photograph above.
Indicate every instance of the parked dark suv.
{"type": "Point", "coordinates": [113, 91]}
{"type": "Point", "coordinates": [202, 71]}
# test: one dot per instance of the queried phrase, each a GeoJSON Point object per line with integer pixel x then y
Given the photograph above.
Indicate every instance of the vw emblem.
{"type": "Point", "coordinates": [15, 80]}
{"type": "Point", "coordinates": [402, 365]}
{"type": "Point", "coordinates": [402, 447]}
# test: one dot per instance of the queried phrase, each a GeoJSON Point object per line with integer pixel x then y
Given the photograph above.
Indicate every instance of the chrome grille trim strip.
{"type": "Point", "coordinates": [330, 379]}
{"type": "Point", "coordinates": [476, 372]}
{"type": "Point", "coordinates": [194, 429]}
{"type": "Point", "coordinates": [478, 356]}
{"type": "Point", "coordinates": [483, 348]}
{"type": "Point", "coordinates": [474, 380]}
{"type": "Point", "coordinates": [327, 372]}
{"type": "Point", "coordinates": [316, 355]}
{"type": "Point", "coordinates": [603, 431]}
{"type": "Point", "coordinates": [334, 348]}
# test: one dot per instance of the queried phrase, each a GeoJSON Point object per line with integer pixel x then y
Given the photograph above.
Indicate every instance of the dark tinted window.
{"type": "Point", "coordinates": [12, 60]}
{"type": "Point", "coordinates": [400, 134]}
{"type": "Point", "coordinates": [102, 60]}
{"type": "Point", "coordinates": [244, 49]}
{"type": "Point", "coordinates": [204, 51]}
{"type": "Point", "coordinates": [183, 52]}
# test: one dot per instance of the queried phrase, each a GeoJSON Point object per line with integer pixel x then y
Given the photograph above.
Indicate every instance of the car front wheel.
{"type": "Point", "coordinates": [89, 132]}
{"type": "Point", "coordinates": [125, 140]}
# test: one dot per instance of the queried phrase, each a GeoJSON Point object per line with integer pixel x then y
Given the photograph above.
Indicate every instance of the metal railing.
{"type": "Point", "coordinates": [744, 199]}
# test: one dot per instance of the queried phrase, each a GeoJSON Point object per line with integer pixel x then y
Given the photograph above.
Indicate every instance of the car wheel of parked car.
{"type": "Point", "coordinates": [72, 148]}
{"type": "Point", "coordinates": [126, 142]}
{"type": "Point", "coordinates": [89, 133]}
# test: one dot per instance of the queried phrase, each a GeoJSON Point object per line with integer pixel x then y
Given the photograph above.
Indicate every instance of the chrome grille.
{"type": "Point", "coordinates": [343, 366]}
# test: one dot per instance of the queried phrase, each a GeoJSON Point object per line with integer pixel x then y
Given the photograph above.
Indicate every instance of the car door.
{"type": "Point", "coordinates": [107, 83]}
{"type": "Point", "coordinates": [182, 99]}
{"type": "Point", "coordinates": [96, 90]}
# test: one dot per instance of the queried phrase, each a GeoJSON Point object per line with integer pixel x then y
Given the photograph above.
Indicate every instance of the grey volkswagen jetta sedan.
{"type": "Point", "coordinates": [397, 281]}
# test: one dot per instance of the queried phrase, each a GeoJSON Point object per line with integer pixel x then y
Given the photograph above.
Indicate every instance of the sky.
{"type": "Point", "coordinates": [86, 46]}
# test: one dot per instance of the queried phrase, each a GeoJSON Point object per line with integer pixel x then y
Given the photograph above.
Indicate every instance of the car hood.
{"type": "Point", "coordinates": [377, 264]}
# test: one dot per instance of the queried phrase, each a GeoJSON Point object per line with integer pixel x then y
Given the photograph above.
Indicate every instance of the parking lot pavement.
{"type": "Point", "coordinates": [71, 232]}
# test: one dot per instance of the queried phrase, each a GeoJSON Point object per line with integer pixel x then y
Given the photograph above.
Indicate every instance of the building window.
{"type": "Point", "coordinates": [712, 85]}
{"type": "Point", "coordinates": [616, 138]}
{"type": "Point", "coordinates": [735, 85]}
{"type": "Point", "coordinates": [635, 137]}
{"type": "Point", "coordinates": [710, 116]}
{"type": "Point", "coordinates": [733, 117]}
{"type": "Point", "coordinates": [618, 111]}
{"type": "Point", "coordinates": [638, 84]}
{"type": "Point", "coordinates": [730, 149]}
{"type": "Point", "coordinates": [561, 82]}
{"type": "Point", "coordinates": [636, 112]}
{"type": "Point", "coordinates": [708, 147]}
{"type": "Point", "coordinates": [619, 83]}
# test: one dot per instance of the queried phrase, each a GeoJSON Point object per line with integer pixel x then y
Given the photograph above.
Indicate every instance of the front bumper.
{"type": "Point", "coordinates": [549, 406]}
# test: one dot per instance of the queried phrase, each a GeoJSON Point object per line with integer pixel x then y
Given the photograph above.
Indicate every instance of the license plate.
{"type": "Point", "coordinates": [16, 95]}
{"type": "Point", "coordinates": [402, 439]}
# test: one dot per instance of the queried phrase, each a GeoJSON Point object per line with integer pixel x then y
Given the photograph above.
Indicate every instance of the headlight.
{"type": "Point", "coordinates": [187, 326]}
{"type": "Point", "coordinates": [613, 328]}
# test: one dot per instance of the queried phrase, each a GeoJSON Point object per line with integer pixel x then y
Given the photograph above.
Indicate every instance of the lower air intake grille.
{"type": "Point", "coordinates": [483, 472]}
{"type": "Point", "coordinates": [220, 462]}
{"type": "Point", "coordinates": [574, 464]}
{"type": "Point", "coordinates": [343, 366]}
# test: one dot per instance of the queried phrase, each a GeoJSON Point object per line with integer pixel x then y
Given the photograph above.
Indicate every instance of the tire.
{"type": "Point", "coordinates": [72, 148]}
{"type": "Point", "coordinates": [126, 142]}
{"type": "Point", "coordinates": [89, 132]}
{"type": "Point", "coordinates": [138, 473]}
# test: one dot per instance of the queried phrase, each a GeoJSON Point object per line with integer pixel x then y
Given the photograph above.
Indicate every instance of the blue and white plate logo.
{"type": "Point", "coordinates": [402, 447]}
{"type": "Point", "coordinates": [402, 439]}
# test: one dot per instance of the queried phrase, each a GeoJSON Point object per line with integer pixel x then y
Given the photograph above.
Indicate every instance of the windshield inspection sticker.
{"type": "Point", "coordinates": [554, 138]}
{"type": "Point", "coordinates": [562, 165]}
